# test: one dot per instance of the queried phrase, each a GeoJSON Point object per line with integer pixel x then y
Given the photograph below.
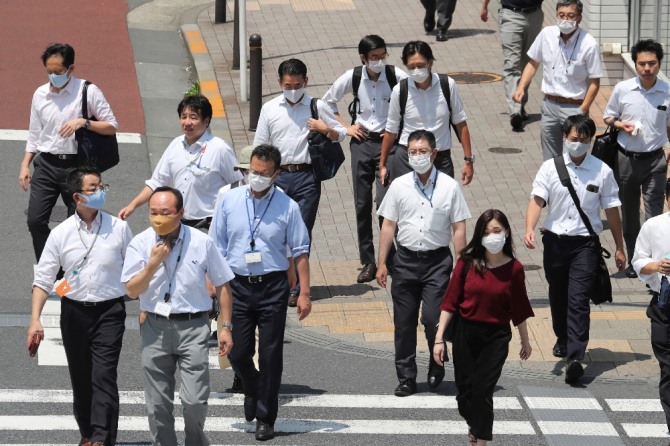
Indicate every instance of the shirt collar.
{"type": "Point", "coordinates": [306, 99]}
{"type": "Point", "coordinates": [660, 85]}
{"type": "Point", "coordinates": [586, 164]}
{"type": "Point", "coordinates": [97, 220]}
{"type": "Point", "coordinates": [571, 39]}
{"type": "Point", "coordinates": [267, 196]}
{"type": "Point", "coordinates": [434, 80]}
{"type": "Point", "coordinates": [431, 179]}
{"type": "Point", "coordinates": [200, 142]}
{"type": "Point", "coordinates": [69, 89]}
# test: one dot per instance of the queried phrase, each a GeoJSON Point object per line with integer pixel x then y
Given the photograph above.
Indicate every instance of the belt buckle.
{"type": "Point", "coordinates": [61, 156]}
{"type": "Point", "coordinates": [422, 254]}
{"type": "Point", "coordinates": [88, 304]}
{"type": "Point", "coordinates": [255, 279]}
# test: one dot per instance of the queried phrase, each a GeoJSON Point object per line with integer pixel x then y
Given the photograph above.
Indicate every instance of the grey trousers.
{"type": "Point", "coordinates": [634, 176]}
{"type": "Point", "coordinates": [551, 133]}
{"type": "Point", "coordinates": [445, 13]}
{"type": "Point", "coordinates": [517, 33]}
{"type": "Point", "coordinates": [166, 344]}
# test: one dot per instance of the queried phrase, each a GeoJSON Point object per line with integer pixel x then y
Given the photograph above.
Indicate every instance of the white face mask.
{"type": "Point", "coordinates": [376, 66]}
{"type": "Point", "coordinates": [420, 163]}
{"type": "Point", "coordinates": [294, 95]}
{"type": "Point", "coordinates": [567, 26]}
{"type": "Point", "coordinates": [419, 75]}
{"type": "Point", "coordinates": [494, 242]}
{"type": "Point", "coordinates": [258, 183]}
{"type": "Point", "coordinates": [575, 148]}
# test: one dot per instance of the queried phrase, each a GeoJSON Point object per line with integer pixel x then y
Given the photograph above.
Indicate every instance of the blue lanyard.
{"type": "Point", "coordinates": [418, 183]}
{"type": "Point", "coordinates": [252, 229]}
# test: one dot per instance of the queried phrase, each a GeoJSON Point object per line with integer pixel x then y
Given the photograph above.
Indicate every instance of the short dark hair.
{"type": "Point", "coordinates": [369, 43]}
{"type": "Point", "coordinates": [292, 67]}
{"type": "Point", "coordinates": [581, 123]}
{"type": "Point", "coordinates": [647, 46]}
{"type": "Point", "coordinates": [75, 179]}
{"type": "Point", "coordinates": [199, 104]}
{"type": "Point", "coordinates": [414, 47]}
{"type": "Point", "coordinates": [59, 49]}
{"type": "Point", "coordinates": [267, 152]}
{"type": "Point", "coordinates": [474, 252]}
{"type": "Point", "coordinates": [418, 135]}
{"type": "Point", "coordinates": [564, 3]}
{"type": "Point", "coordinates": [173, 191]}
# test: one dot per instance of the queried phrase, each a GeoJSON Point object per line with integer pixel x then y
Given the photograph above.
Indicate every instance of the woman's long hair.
{"type": "Point", "coordinates": [475, 253]}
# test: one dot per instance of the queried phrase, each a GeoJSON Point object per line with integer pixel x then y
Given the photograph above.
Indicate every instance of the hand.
{"type": "Point", "coordinates": [317, 125]}
{"type": "Point", "coordinates": [126, 212]}
{"type": "Point", "coordinates": [143, 317]}
{"type": "Point", "coordinates": [518, 95]}
{"type": "Point", "coordinates": [484, 14]}
{"type": "Point", "coordinates": [24, 177]}
{"type": "Point", "coordinates": [383, 171]}
{"type": "Point", "coordinates": [304, 304]}
{"type": "Point", "coordinates": [620, 259]}
{"type": "Point", "coordinates": [159, 253]}
{"type": "Point", "coordinates": [35, 327]}
{"type": "Point", "coordinates": [627, 126]}
{"type": "Point", "coordinates": [467, 173]}
{"type": "Point", "coordinates": [225, 341]}
{"type": "Point", "coordinates": [438, 352]}
{"type": "Point", "coordinates": [70, 127]}
{"type": "Point", "coordinates": [529, 239]}
{"type": "Point", "coordinates": [526, 350]}
{"type": "Point", "coordinates": [357, 132]}
{"type": "Point", "coordinates": [382, 273]}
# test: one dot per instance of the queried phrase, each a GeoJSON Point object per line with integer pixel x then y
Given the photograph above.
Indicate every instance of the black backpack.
{"type": "Point", "coordinates": [354, 107]}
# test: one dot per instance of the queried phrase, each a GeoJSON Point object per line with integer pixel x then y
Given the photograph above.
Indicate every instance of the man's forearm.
{"type": "Point", "coordinates": [590, 96]}
{"type": "Point", "coordinates": [387, 143]}
{"type": "Point", "coordinates": [386, 240]}
{"type": "Point", "coordinates": [302, 266]}
{"type": "Point", "coordinates": [140, 282]}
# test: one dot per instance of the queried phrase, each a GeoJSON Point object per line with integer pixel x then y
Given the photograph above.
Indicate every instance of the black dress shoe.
{"type": "Point", "coordinates": [560, 350]}
{"type": "Point", "coordinates": [429, 21]}
{"type": "Point", "coordinates": [367, 274]}
{"type": "Point", "coordinates": [292, 299]}
{"type": "Point", "coordinates": [249, 407]}
{"type": "Point", "coordinates": [435, 377]}
{"type": "Point", "coordinates": [516, 121]}
{"type": "Point", "coordinates": [264, 431]}
{"type": "Point", "coordinates": [441, 36]}
{"type": "Point", "coordinates": [406, 388]}
{"type": "Point", "coordinates": [573, 372]}
{"type": "Point", "coordinates": [237, 385]}
{"type": "Point", "coordinates": [630, 272]}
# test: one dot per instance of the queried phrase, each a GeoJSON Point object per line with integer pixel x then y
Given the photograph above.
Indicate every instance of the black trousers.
{"type": "Point", "coordinates": [479, 351]}
{"type": "Point", "coordinates": [445, 12]}
{"type": "Point", "coordinates": [401, 166]}
{"type": "Point", "coordinates": [417, 282]}
{"type": "Point", "coordinates": [92, 337]}
{"type": "Point", "coordinates": [365, 172]}
{"type": "Point", "coordinates": [261, 305]}
{"type": "Point", "coordinates": [571, 269]}
{"type": "Point", "coordinates": [47, 183]}
{"type": "Point", "coordinates": [660, 344]}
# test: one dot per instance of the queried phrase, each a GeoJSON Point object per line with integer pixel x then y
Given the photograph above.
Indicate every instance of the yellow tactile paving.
{"type": "Point", "coordinates": [210, 89]}
{"type": "Point", "coordinates": [196, 44]}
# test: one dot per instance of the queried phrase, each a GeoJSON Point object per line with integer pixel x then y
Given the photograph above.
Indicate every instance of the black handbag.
{"type": "Point", "coordinates": [94, 149]}
{"type": "Point", "coordinates": [327, 156]}
{"type": "Point", "coordinates": [602, 290]}
{"type": "Point", "coordinates": [606, 147]}
{"type": "Point", "coordinates": [450, 331]}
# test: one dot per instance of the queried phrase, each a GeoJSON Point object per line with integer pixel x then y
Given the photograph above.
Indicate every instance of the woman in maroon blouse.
{"type": "Point", "coordinates": [488, 290]}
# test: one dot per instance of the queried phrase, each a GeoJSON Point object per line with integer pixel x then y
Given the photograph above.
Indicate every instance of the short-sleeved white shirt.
{"type": "Point", "coordinates": [653, 243]}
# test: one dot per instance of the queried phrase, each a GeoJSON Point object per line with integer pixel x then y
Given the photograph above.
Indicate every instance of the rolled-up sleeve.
{"type": "Point", "coordinates": [99, 107]}
{"type": "Point", "coordinates": [329, 118]}
{"type": "Point", "coordinates": [457, 108]}
{"type": "Point", "coordinates": [47, 268]}
{"type": "Point", "coordinates": [297, 235]}
{"type": "Point", "coordinates": [541, 183]}
{"type": "Point", "coordinates": [218, 270]}
{"type": "Point", "coordinates": [609, 197]}
{"type": "Point", "coordinates": [134, 261]}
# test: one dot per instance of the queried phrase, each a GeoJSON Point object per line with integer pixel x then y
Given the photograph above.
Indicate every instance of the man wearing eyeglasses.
{"type": "Point", "coordinates": [429, 211]}
{"type": "Point", "coordinates": [90, 247]}
{"type": "Point", "coordinates": [571, 67]}
{"type": "Point", "coordinates": [375, 81]}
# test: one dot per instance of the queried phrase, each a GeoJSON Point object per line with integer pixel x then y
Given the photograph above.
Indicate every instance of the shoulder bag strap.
{"type": "Point", "coordinates": [84, 100]}
{"type": "Point", "coordinates": [402, 99]}
{"type": "Point", "coordinates": [565, 181]}
{"type": "Point", "coordinates": [314, 108]}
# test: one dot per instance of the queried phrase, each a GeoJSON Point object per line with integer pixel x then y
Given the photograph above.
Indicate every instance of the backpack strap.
{"type": "Point", "coordinates": [314, 108]}
{"type": "Point", "coordinates": [446, 92]}
{"type": "Point", "coordinates": [354, 106]}
{"type": "Point", "coordinates": [390, 76]}
{"type": "Point", "coordinates": [402, 99]}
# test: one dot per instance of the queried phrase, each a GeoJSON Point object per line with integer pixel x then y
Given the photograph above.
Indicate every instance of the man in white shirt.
{"type": "Point", "coordinates": [640, 109]}
{"type": "Point", "coordinates": [55, 115]}
{"type": "Point", "coordinates": [198, 164]}
{"type": "Point", "coordinates": [651, 261]}
{"type": "Point", "coordinates": [368, 112]}
{"type": "Point", "coordinates": [571, 72]}
{"type": "Point", "coordinates": [426, 206]}
{"type": "Point", "coordinates": [571, 255]}
{"type": "Point", "coordinates": [285, 122]}
{"type": "Point", "coordinates": [90, 247]}
{"type": "Point", "coordinates": [165, 267]}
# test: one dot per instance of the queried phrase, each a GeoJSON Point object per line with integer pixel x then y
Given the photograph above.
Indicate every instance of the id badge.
{"type": "Point", "coordinates": [62, 287]}
{"type": "Point", "coordinates": [252, 257]}
{"type": "Point", "coordinates": [163, 308]}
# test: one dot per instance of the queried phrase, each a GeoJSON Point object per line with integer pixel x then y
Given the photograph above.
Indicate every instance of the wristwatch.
{"type": "Point", "coordinates": [227, 325]}
{"type": "Point", "coordinates": [469, 158]}
{"type": "Point", "coordinates": [87, 124]}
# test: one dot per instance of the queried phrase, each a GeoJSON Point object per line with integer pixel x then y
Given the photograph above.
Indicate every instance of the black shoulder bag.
{"type": "Point", "coordinates": [602, 290]}
{"type": "Point", "coordinates": [606, 146]}
{"type": "Point", "coordinates": [327, 156]}
{"type": "Point", "coordinates": [94, 149]}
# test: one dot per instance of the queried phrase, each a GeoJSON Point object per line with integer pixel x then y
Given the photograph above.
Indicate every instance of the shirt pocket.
{"type": "Point", "coordinates": [438, 220]}
{"type": "Point", "coordinates": [591, 200]}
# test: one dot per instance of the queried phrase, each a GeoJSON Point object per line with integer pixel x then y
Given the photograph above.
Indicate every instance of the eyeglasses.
{"type": "Point", "coordinates": [377, 58]}
{"type": "Point", "coordinates": [415, 152]}
{"type": "Point", "coordinates": [568, 16]}
{"type": "Point", "coordinates": [102, 187]}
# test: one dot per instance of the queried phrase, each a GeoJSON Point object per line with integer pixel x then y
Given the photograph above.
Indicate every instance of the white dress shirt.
{"type": "Point", "coordinates": [373, 96]}
{"type": "Point", "coordinates": [51, 110]}
{"type": "Point", "coordinates": [653, 243]}
{"type": "Point", "coordinates": [96, 278]}
{"type": "Point", "coordinates": [193, 257]}
{"type": "Point", "coordinates": [563, 217]}
{"type": "Point", "coordinates": [424, 214]}
{"type": "Point", "coordinates": [197, 171]}
{"type": "Point", "coordinates": [285, 127]}
{"type": "Point", "coordinates": [426, 110]}
{"type": "Point", "coordinates": [567, 66]}
{"type": "Point", "coordinates": [630, 102]}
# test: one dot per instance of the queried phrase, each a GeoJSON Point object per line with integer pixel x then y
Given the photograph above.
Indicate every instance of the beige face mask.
{"type": "Point", "coordinates": [164, 224]}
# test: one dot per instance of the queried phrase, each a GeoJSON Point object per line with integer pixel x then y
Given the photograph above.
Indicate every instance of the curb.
{"type": "Point", "coordinates": [204, 71]}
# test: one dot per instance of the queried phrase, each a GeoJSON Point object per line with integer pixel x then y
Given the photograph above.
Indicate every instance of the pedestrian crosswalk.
{"type": "Point", "coordinates": [433, 415]}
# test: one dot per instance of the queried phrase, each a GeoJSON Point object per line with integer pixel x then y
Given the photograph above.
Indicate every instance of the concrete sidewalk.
{"type": "Point", "coordinates": [325, 34]}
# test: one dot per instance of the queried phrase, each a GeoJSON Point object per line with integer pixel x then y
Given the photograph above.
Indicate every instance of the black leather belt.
{"type": "Point", "coordinates": [567, 237]}
{"type": "Point", "coordinates": [59, 157]}
{"type": "Point", "coordinates": [640, 155]}
{"type": "Point", "coordinates": [93, 304]}
{"type": "Point", "coordinates": [259, 279]}
{"type": "Point", "coordinates": [375, 136]}
{"type": "Point", "coordinates": [295, 167]}
{"type": "Point", "coordinates": [180, 316]}
{"type": "Point", "coordinates": [423, 254]}
{"type": "Point", "coordinates": [523, 10]}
